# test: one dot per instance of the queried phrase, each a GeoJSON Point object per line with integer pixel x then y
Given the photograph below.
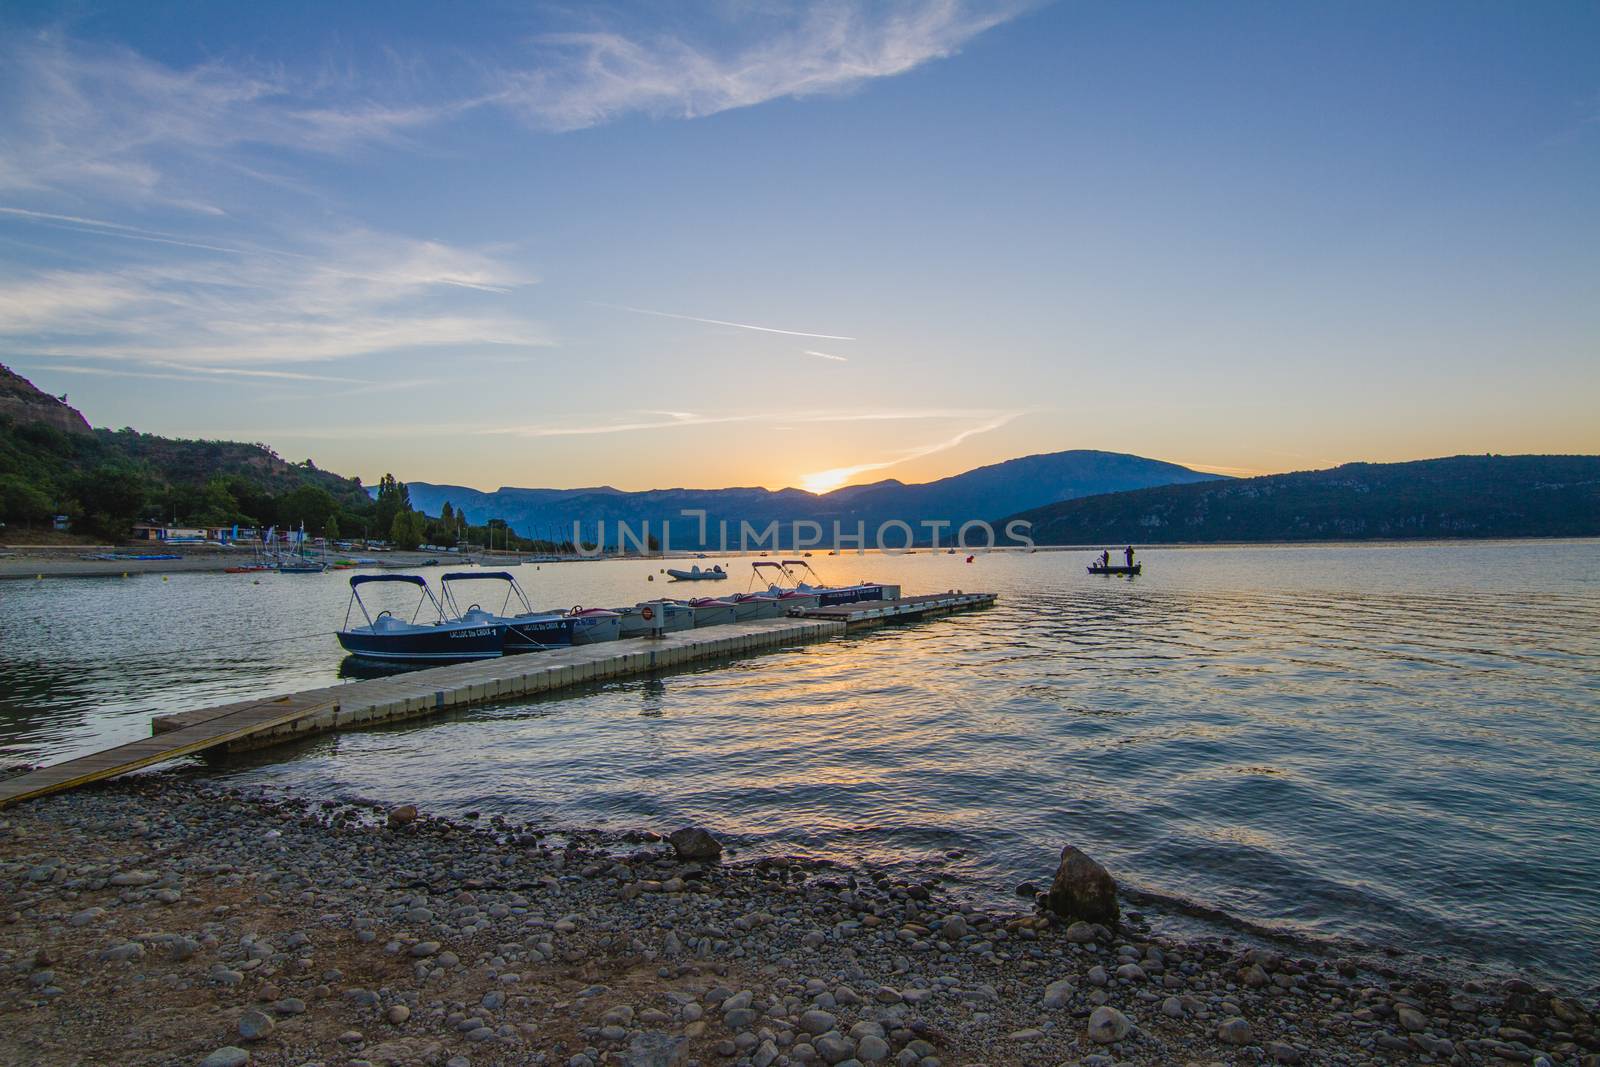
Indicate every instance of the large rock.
{"type": "Point", "coordinates": [693, 843]}
{"type": "Point", "coordinates": [1083, 890]}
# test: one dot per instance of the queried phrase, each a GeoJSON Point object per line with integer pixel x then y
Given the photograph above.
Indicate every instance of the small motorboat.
{"type": "Point", "coordinates": [593, 625]}
{"type": "Point", "coordinates": [388, 637]}
{"type": "Point", "coordinates": [762, 605]}
{"type": "Point", "coordinates": [709, 611]}
{"type": "Point", "coordinates": [669, 615]}
{"type": "Point", "coordinates": [1114, 568]}
{"type": "Point", "coordinates": [794, 571]}
{"type": "Point", "coordinates": [695, 574]}
{"type": "Point", "coordinates": [526, 630]}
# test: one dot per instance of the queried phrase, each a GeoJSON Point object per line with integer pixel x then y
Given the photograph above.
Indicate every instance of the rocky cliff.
{"type": "Point", "coordinates": [23, 403]}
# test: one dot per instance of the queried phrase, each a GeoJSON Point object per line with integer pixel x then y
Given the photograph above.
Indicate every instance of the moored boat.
{"type": "Point", "coordinates": [388, 637]}
{"type": "Point", "coordinates": [762, 605]}
{"type": "Point", "coordinates": [667, 615]}
{"type": "Point", "coordinates": [695, 574]}
{"type": "Point", "coordinates": [526, 630]}
{"type": "Point", "coordinates": [794, 571]}
{"type": "Point", "coordinates": [592, 625]}
{"type": "Point", "coordinates": [709, 611]}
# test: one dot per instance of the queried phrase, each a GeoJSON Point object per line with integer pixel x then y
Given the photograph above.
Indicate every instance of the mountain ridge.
{"type": "Point", "coordinates": [1469, 496]}
{"type": "Point", "coordinates": [972, 495]}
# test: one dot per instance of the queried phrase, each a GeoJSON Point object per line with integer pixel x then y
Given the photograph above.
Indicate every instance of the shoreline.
{"type": "Point", "coordinates": [32, 562]}
{"type": "Point", "coordinates": [158, 920]}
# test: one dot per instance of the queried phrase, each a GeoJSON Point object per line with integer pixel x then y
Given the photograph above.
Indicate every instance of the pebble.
{"type": "Point", "coordinates": [1234, 1031]}
{"type": "Point", "coordinates": [1107, 1024]}
{"type": "Point", "coordinates": [1058, 993]}
{"type": "Point", "coordinates": [227, 1056]}
{"type": "Point", "coordinates": [809, 964]}
{"type": "Point", "coordinates": [1410, 1018]}
{"type": "Point", "coordinates": [254, 1026]}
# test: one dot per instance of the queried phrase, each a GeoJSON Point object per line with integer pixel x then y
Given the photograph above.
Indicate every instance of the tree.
{"type": "Point", "coordinates": [217, 505]}
{"type": "Point", "coordinates": [330, 529]}
{"type": "Point", "coordinates": [111, 496]}
{"type": "Point", "coordinates": [447, 515]}
{"type": "Point", "coordinates": [21, 501]}
{"type": "Point", "coordinates": [393, 499]}
{"type": "Point", "coordinates": [309, 504]}
{"type": "Point", "coordinates": [406, 530]}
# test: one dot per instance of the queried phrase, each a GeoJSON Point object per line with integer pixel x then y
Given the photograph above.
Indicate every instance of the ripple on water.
{"type": "Point", "coordinates": [1393, 744]}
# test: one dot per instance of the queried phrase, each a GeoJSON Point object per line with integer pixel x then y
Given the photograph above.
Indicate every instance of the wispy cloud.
{"type": "Point", "coordinates": [680, 419]}
{"type": "Point", "coordinates": [822, 481]}
{"type": "Point", "coordinates": [108, 122]}
{"type": "Point", "coordinates": [725, 322]}
{"type": "Point", "coordinates": [584, 79]}
{"type": "Point", "coordinates": [103, 121]}
{"type": "Point", "coordinates": [347, 293]}
{"type": "Point", "coordinates": [827, 355]}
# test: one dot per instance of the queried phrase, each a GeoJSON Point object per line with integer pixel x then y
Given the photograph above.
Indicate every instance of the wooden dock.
{"type": "Point", "coordinates": [257, 723]}
{"type": "Point", "coordinates": [868, 613]}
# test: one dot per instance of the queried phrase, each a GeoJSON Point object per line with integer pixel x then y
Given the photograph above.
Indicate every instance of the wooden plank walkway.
{"type": "Point", "coordinates": [256, 723]}
{"type": "Point", "coordinates": [260, 715]}
{"type": "Point", "coordinates": [866, 613]}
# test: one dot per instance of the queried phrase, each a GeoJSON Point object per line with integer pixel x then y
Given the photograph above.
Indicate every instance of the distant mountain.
{"type": "Point", "coordinates": [1462, 496]}
{"type": "Point", "coordinates": [979, 494]}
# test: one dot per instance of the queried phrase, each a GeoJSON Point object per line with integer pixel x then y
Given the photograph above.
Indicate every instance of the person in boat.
{"type": "Point", "coordinates": [1105, 558]}
{"type": "Point", "coordinates": [1128, 554]}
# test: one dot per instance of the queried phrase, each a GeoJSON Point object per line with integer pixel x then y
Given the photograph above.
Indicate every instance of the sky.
{"type": "Point", "coordinates": [807, 245]}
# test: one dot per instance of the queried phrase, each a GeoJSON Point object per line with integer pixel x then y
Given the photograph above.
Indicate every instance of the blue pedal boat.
{"type": "Point", "coordinates": [391, 638]}
{"type": "Point", "coordinates": [526, 630]}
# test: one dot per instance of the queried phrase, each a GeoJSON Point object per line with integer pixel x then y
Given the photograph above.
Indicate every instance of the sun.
{"type": "Point", "coordinates": [823, 481]}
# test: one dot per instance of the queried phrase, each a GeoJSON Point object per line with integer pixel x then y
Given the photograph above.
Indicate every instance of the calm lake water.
{"type": "Point", "coordinates": [1383, 745]}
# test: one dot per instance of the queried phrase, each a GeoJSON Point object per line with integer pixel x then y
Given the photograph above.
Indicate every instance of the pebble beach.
{"type": "Point", "coordinates": [160, 920]}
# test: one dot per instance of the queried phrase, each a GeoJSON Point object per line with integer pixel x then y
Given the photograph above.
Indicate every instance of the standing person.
{"type": "Point", "coordinates": [1105, 559]}
{"type": "Point", "coordinates": [1128, 554]}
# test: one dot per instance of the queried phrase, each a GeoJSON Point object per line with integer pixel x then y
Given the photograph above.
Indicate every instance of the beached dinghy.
{"type": "Point", "coordinates": [526, 630]}
{"type": "Point", "coordinates": [388, 637]}
{"type": "Point", "coordinates": [695, 574]}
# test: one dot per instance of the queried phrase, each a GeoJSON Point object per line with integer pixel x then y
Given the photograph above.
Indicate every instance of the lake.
{"type": "Point", "coordinates": [1376, 745]}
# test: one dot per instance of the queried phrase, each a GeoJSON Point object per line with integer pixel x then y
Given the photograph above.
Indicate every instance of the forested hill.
{"type": "Point", "coordinates": [1461, 496]}
{"type": "Point", "coordinates": [52, 463]}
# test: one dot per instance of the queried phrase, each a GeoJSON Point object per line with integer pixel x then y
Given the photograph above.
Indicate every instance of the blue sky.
{"type": "Point", "coordinates": [651, 245]}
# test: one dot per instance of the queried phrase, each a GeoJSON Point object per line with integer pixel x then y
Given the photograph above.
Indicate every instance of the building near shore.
{"type": "Point", "coordinates": [163, 534]}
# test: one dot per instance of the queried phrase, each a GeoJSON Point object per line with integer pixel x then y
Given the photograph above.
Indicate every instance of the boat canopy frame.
{"type": "Point", "coordinates": [513, 589]}
{"type": "Point", "coordinates": [358, 580]}
{"type": "Point", "coordinates": [796, 581]}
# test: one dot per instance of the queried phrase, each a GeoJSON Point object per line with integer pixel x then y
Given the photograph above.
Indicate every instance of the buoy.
{"type": "Point", "coordinates": [124, 574]}
{"type": "Point", "coordinates": [38, 577]}
{"type": "Point", "coordinates": [649, 577]}
{"type": "Point", "coordinates": [163, 577]}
